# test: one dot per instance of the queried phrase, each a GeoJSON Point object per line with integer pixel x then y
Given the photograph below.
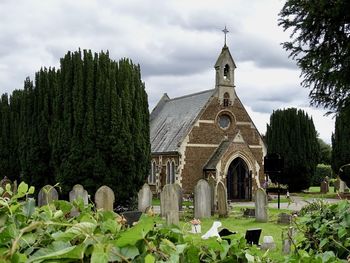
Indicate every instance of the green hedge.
{"type": "Point", "coordinates": [322, 170]}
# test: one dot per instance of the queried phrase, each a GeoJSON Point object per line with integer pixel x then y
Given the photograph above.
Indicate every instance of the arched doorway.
{"type": "Point", "coordinates": [239, 181]}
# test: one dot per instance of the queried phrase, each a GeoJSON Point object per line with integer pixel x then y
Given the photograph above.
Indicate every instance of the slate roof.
{"type": "Point", "coordinates": [172, 119]}
{"type": "Point", "coordinates": [215, 158]}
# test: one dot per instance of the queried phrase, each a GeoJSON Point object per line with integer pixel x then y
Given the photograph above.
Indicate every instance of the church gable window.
{"type": "Point", "coordinates": [224, 121]}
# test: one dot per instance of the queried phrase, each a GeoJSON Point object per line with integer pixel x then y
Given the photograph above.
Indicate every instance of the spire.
{"type": "Point", "coordinates": [225, 32]}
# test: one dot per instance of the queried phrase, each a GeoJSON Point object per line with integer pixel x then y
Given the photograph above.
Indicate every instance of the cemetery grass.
{"type": "Point", "coordinates": [314, 192]}
{"type": "Point", "coordinates": [236, 222]}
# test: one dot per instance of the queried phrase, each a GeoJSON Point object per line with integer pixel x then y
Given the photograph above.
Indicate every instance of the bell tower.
{"type": "Point", "coordinates": [224, 78]}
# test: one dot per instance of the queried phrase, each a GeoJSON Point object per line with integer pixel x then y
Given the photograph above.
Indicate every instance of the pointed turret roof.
{"type": "Point", "coordinates": [225, 53]}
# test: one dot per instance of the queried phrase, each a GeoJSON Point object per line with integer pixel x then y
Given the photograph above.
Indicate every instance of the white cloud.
{"type": "Point", "coordinates": [176, 43]}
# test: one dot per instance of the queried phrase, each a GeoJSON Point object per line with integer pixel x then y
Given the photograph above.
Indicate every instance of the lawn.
{"type": "Point", "coordinates": [236, 222]}
{"type": "Point", "coordinates": [314, 192]}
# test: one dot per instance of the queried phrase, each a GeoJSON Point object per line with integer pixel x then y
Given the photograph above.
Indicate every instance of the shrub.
{"type": "Point", "coordinates": [322, 170]}
{"type": "Point", "coordinates": [326, 228]}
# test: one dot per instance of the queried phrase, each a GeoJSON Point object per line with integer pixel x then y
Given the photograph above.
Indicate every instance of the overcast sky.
{"type": "Point", "coordinates": [176, 42]}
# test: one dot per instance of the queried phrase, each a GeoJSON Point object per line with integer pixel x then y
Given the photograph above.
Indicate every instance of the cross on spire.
{"type": "Point", "coordinates": [225, 32]}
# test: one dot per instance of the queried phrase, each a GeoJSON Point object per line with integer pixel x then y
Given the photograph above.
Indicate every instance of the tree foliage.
{"type": "Point", "coordinates": [320, 44]}
{"type": "Point", "coordinates": [291, 133]}
{"type": "Point", "coordinates": [325, 152]}
{"type": "Point", "coordinates": [85, 123]}
{"type": "Point", "coordinates": [341, 144]}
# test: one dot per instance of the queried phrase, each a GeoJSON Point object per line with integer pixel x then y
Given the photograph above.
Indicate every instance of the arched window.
{"type": "Point", "coordinates": [172, 172]}
{"type": "Point", "coordinates": [227, 72]}
{"type": "Point", "coordinates": [226, 99]}
{"type": "Point", "coordinates": [168, 173]}
{"type": "Point", "coordinates": [152, 175]}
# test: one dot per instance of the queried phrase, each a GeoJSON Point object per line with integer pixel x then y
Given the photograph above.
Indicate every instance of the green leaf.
{"type": "Point", "coordinates": [192, 254]}
{"type": "Point", "coordinates": [323, 242]}
{"type": "Point", "coordinates": [150, 259]}
{"type": "Point", "coordinates": [129, 252]}
{"type": "Point", "coordinates": [99, 254]}
{"type": "Point", "coordinates": [18, 258]}
{"type": "Point", "coordinates": [342, 232]}
{"type": "Point", "coordinates": [31, 190]}
{"type": "Point", "coordinates": [110, 225]}
{"type": "Point", "coordinates": [135, 233]}
{"type": "Point", "coordinates": [224, 249]}
{"type": "Point", "coordinates": [22, 189]}
{"type": "Point", "coordinates": [29, 207]}
{"type": "Point", "coordinates": [85, 228]}
{"type": "Point", "coordinates": [249, 257]}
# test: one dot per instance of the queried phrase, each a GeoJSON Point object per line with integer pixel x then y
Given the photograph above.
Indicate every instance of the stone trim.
{"type": "Point", "coordinates": [202, 145]}
{"type": "Point", "coordinates": [206, 121]}
{"type": "Point", "coordinates": [255, 146]}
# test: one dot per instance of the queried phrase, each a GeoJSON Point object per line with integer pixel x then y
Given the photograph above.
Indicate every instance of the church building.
{"type": "Point", "coordinates": [207, 135]}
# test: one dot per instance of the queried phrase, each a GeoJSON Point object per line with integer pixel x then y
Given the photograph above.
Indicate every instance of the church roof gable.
{"type": "Point", "coordinates": [215, 158]}
{"type": "Point", "coordinates": [173, 119]}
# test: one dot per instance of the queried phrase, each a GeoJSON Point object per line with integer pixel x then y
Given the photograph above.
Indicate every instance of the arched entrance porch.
{"type": "Point", "coordinates": [239, 180]}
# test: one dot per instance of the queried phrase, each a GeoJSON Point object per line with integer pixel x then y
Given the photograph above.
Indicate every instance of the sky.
{"type": "Point", "coordinates": [176, 43]}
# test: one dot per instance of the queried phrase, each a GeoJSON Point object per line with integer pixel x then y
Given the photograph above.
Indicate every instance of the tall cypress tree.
{"type": "Point", "coordinates": [86, 123]}
{"type": "Point", "coordinates": [291, 133]}
{"type": "Point", "coordinates": [341, 144]}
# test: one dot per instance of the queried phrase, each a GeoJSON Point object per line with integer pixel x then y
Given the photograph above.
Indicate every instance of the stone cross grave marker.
{"type": "Point", "coordinates": [261, 205]}
{"type": "Point", "coordinates": [202, 199]}
{"type": "Point", "coordinates": [144, 198]}
{"type": "Point", "coordinates": [78, 192]}
{"type": "Point", "coordinates": [169, 201]}
{"type": "Point", "coordinates": [104, 198]}
{"type": "Point", "coordinates": [46, 195]}
{"type": "Point", "coordinates": [222, 200]}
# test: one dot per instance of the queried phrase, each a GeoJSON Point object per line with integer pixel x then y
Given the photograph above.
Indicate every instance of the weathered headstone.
{"type": "Point", "coordinates": [144, 198]}
{"type": "Point", "coordinates": [342, 186]}
{"type": "Point", "coordinates": [78, 192]}
{"type": "Point", "coordinates": [172, 217]}
{"type": "Point", "coordinates": [324, 187]}
{"type": "Point", "coordinates": [268, 243]}
{"type": "Point", "coordinates": [249, 212]}
{"type": "Point", "coordinates": [261, 205]}
{"type": "Point", "coordinates": [212, 184]}
{"type": "Point", "coordinates": [202, 202]}
{"type": "Point", "coordinates": [104, 198]}
{"type": "Point", "coordinates": [46, 195]}
{"type": "Point", "coordinates": [179, 194]}
{"type": "Point", "coordinates": [287, 240]}
{"type": "Point", "coordinates": [284, 218]}
{"type": "Point", "coordinates": [169, 200]}
{"type": "Point", "coordinates": [222, 200]}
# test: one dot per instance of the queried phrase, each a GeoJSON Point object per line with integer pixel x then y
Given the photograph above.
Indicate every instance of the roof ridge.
{"type": "Point", "coordinates": [192, 94]}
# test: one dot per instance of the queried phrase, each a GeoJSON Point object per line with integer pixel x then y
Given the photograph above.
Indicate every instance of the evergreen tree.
{"type": "Point", "coordinates": [85, 123]}
{"type": "Point", "coordinates": [341, 144]}
{"type": "Point", "coordinates": [291, 133]}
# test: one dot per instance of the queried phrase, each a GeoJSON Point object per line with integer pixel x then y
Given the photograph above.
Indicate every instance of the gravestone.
{"type": "Point", "coordinates": [284, 218]}
{"type": "Point", "coordinates": [287, 240]}
{"type": "Point", "coordinates": [222, 200]}
{"type": "Point", "coordinates": [46, 195]}
{"type": "Point", "coordinates": [324, 187]}
{"type": "Point", "coordinates": [179, 194]}
{"type": "Point", "coordinates": [78, 192]}
{"type": "Point", "coordinates": [104, 198]}
{"type": "Point", "coordinates": [249, 212]}
{"type": "Point", "coordinates": [169, 200]}
{"type": "Point", "coordinates": [268, 243]}
{"type": "Point", "coordinates": [261, 205]}
{"type": "Point", "coordinates": [342, 186]}
{"type": "Point", "coordinates": [144, 198]}
{"type": "Point", "coordinates": [172, 217]}
{"type": "Point", "coordinates": [212, 184]}
{"type": "Point", "coordinates": [202, 199]}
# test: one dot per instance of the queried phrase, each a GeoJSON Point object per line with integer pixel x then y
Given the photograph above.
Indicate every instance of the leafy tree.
{"type": "Point", "coordinates": [325, 152]}
{"type": "Point", "coordinates": [320, 45]}
{"type": "Point", "coordinates": [291, 133]}
{"type": "Point", "coordinates": [322, 171]}
{"type": "Point", "coordinates": [341, 144]}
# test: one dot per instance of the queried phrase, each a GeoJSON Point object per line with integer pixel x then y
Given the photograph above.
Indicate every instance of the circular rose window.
{"type": "Point", "coordinates": [224, 121]}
